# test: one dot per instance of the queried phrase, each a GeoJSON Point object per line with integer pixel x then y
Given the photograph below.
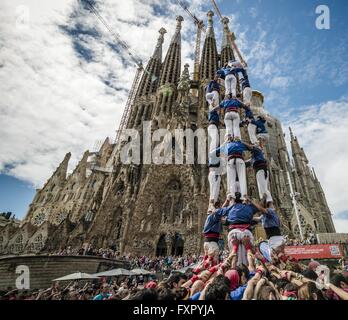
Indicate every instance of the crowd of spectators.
{"type": "Point", "coordinates": [281, 279]}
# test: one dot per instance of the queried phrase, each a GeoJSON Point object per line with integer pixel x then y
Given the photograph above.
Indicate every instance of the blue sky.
{"type": "Point", "coordinates": [65, 85]}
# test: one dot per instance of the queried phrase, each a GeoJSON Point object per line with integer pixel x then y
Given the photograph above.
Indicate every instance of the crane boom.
{"type": "Point", "coordinates": [200, 28]}
{"type": "Point", "coordinates": [133, 91]}
{"type": "Point", "coordinates": [231, 36]}
{"type": "Point", "coordinates": [116, 36]}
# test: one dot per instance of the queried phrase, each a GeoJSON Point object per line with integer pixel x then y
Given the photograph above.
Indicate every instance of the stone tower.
{"type": "Point", "coordinates": [157, 207]}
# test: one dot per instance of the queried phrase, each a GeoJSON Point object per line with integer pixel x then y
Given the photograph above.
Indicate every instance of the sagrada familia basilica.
{"type": "Point", "coordinates": [160, 209]}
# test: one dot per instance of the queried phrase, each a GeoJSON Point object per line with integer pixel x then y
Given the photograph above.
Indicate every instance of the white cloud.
{"type": "Point", "coordinates": [341, 225]}
{"type": "Point", "coordinates": [52, 100]}
{"type": "Point", "coordinates": [322, 131]}
{"type": "Point", "coordinates": [280, 82]}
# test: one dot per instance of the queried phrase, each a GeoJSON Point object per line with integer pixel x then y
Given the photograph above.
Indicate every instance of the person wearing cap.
{"type": "Point", "coordinates": [233, 150]}
{"type": "Point", "coordinates": [213, 92]}
{"type": "Point", "coordinates": [151, 285]}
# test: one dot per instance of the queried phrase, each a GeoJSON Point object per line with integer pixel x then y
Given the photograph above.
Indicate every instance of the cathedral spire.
{"type": "Point", "coordinates": [209, 60]}
{"type": "Point", "coordinates": [172, 62]}
{"type": "Point", "coordinates": [210, 30]}
{"type": "Point", "coordinates": [63, 167]}
{"type": "Point", "coordinates": [170, 74]}
{"type": "Point", "coordinates": [158, 50]}
{"type": "Point", "coordinates": [80, 170]}
{"type": "Point", "coordinates": [150, 78]}
{"type": "Point", "coordinates": [226, 49]}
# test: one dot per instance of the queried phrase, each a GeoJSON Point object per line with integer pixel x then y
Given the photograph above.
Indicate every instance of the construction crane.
{"type": "Point", "coordinates": [200, 27]}
{"type": "Point", "coordinates": [140, 69]}
{"type": "Point", "coordinates": [231, 36]}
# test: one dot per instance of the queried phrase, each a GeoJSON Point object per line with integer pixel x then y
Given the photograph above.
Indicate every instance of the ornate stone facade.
{"type": "Point", "coordinates": [160, 209]}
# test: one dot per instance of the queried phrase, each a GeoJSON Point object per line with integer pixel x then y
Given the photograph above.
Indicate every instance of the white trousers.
{"type": "Point", "coordinates": [214, 178]}
{"type": "Point", "coordinates": [236, 168]}
{"type": "Point", "coordinates": [232, 121]}
{"type": "Point", "coordinates": [252, 133]}
{"type": "Point", "coordinates": [231, 85]}
{"type": "Point", "coordinates": [213, 98]}
{"type": "Point", "coordinates": [239, 234]}
{"type": "Point", "coordinates": [262, 185]}
{"type": "Point", "coordinates": [247, 95]}
{"type": "Point", "coordinates": [214, 138]}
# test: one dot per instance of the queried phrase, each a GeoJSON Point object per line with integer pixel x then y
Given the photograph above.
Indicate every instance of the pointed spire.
{"type": "Point", "coordinates": [172, 62]}
{"type": "Point", "coordinates": [209, 60]}
{"type": "Point", "coordinates": [210, 30]}
{"type": "Point", "coordinates": [60, 173]}
{"type": "Point", "coordinates": [226, 49]}
{"type": "Point", "coordinates": [150, 79]}
{"type": "Point", "coordinates": [177, 35]}
{"type": "Point", "coordinates": [63, 167]}
{"type": "Point", "coordinates": [225, 40]}
{"type": "Point", "coordinates": [158, 50]}
{"type": "Point", "coordinates": [80, 169]}
{"type": "Point", "coordinates": [291, 134]}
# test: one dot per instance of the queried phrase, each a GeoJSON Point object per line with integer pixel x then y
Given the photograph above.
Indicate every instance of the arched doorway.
{"type": "Point", "coordinates": [161, 249]}
{"type": "Point", "coordinates": [178, 245]}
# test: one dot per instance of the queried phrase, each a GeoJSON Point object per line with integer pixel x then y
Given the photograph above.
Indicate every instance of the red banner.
{"type": "Point", "coordinates": [320, 251]}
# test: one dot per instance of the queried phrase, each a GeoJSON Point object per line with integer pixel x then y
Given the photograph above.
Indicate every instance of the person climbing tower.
{"type": "Point", "coordinates": [232, 117]}
{"type": "Point", "coordinates": [249, 120]}
{"type": "Point", "coordinates": [260, 166]}
{"type": "Point", "coordinates": [213, 93]}
{"type": "Point", "coordinates": [228, 73]}
{"type": "Point", "coordinates": [214, 165]}
{"type": "Point", "coordinates": [233, 150]}
{"type": "Point", "coordinates": [261, 131]}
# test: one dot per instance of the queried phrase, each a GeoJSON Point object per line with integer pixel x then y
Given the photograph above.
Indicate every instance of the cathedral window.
{"type": "Point", "coordinates": [18, 244]}
{"type": "Point", "coordinates": [60, 217]}
{"type": "Point", "coordinates": [37, 244]}
{"type": "Point", "coordinates": [39, 218]}
{"type": "Point", "coordinates": [1, 244]}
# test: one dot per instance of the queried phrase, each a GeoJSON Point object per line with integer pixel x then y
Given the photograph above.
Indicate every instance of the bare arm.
{"type": "Point", "coordinates": [249, 291]}
{"type": "Point", "coordinates": [258, 287]}
{"type": "Point", "coordinates": [258, 206]}
{"type": "Point", "coordinates": [341, 293]}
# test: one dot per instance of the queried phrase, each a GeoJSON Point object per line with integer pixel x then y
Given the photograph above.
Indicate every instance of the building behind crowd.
{"type": "Point", "coordinates": [160, 209]}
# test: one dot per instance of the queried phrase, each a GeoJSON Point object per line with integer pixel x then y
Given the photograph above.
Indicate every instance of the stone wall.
{"type": "Point", "coordinates": [44, 268]}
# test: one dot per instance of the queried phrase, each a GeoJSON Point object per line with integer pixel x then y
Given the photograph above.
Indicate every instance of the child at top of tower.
{"type": "Point", "coordinates": [213, 92]}
{"type": "Point", "coordinates": [236, 68]}
{"type": "Point", "coordinates": [229, 73]}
